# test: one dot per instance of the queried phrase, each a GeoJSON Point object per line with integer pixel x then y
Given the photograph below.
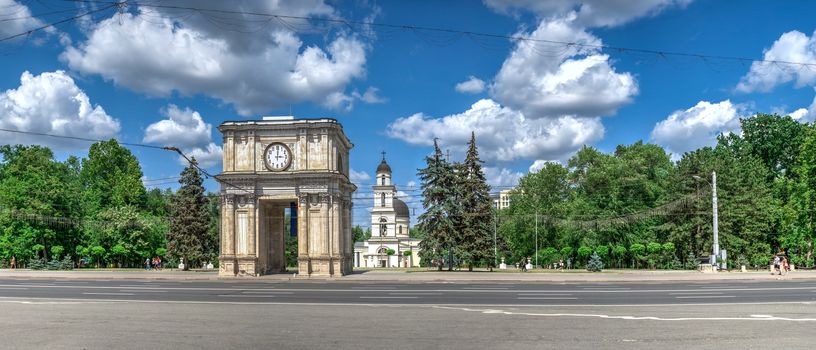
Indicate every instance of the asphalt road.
{"type": "Point", "coordinates": [140, 314]}
{"type": "Point", "coordinates": [458, 293]}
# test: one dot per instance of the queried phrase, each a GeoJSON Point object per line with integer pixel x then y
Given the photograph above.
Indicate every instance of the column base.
{"type": "Point", "coordinates": [227, 266]}
{"type": "Point", "coordinates": [248, 266]}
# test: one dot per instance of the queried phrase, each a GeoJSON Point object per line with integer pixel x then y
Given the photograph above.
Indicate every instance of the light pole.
{"type": "Point", "coordinates": [536, 234]}
{"type": "Point", "coordinates": [495, 248]}
{"type": "Point", "coordinates": [716, 245]}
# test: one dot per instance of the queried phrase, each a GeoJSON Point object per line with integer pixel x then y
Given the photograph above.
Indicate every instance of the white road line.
{"type": "Point", "coordinates": [246, 296]}
{"type": "Point", "coordinates": [413, 293]}
{"type": "Point", "coordinates": [704, 296]}
{"type": "Point", "coordinates": [546, 298]}
{"type": "Point", "coordinates": [606, 288]}
{"type": "Point", "coordinates": [37, 284]}
{"type": "Point", "coordinates": [542, 294]}
{"type": "Point", "coordinates": [141, 291]}
{"type": "Point", "coordinates": [483, 288]}
{"type": "Point", "coordinates": [14, 288]}
{"type": "Point", "coordinates": [696, 293]}
{"type": "Point", "coordinates": [390, 297]}
{"type": "Point", "coordinates": [374, 288]}
{"type": "Point", "coordinates": [90, 293]}
{"type": "Point", "coordinates": [265, 292]}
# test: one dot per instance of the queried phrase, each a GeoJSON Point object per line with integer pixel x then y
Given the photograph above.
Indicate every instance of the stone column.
{"type": "Point", "coordinates": [304, 262]}
{"type": "Point", "coordinates": [246, 247]}
{"type": "Point", "coordinates": [227, 263]}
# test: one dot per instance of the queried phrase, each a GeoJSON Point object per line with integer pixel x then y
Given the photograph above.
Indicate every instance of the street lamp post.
{"type": "Point", "coordinates": [536, 238]}
{"type": "Point", "coordinates": [716, 245]}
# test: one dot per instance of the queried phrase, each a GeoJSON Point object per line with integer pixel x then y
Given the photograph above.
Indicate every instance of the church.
{"type": "Point", "coordinates": [390, 244]}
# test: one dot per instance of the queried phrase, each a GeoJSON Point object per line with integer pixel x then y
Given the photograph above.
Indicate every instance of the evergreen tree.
{"type": "Point", "coordinates": [439, 195]}
{"type": "Point", "coordinates": [595, 264]}
{"type": "Point", "coordinates": [475, 234]}
{"type": "Point", "coordinates": [189, 218]}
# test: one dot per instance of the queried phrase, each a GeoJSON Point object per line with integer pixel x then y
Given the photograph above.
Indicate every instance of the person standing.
{"type": "Point", "coordinates": [13, 262]}
{"type": "Point", "coordinates": [147, 264]}
{"type": "Point", "coordinates": [785, 266]}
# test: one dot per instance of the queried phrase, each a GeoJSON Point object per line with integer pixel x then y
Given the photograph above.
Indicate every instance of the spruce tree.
{"type": "Point", "coordinates": [439, 195]}
{"type": "Point", "coordinates": [475, 236]}
{"type": "Point", "coordinates": [189, 218]}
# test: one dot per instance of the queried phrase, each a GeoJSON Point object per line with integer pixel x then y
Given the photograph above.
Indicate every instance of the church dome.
{"type": "Point", "coordinates": [383, 167]}
{"type": "Point", "coordinates": [401, 208]}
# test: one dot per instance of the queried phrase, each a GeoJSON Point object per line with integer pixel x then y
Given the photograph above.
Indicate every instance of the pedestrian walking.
{"type": "Point", "coordinates": [561, 264]}
{"type": "Point", "coordinates": [785, 265]}
{"type": "Point", "coordinates": [523, 264]}
{"type": "Point", "coordinates": [158, 263]}
{"type": "Point", "coordinates": [147, 264]}
{"type": "Point", "coordinates": [776, 262]}
{"type": "Point", "coordinates": [13, 262]}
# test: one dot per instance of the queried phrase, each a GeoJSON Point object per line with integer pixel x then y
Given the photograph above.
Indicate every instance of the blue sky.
{"type": "Point", "coordinates": [163, 76]}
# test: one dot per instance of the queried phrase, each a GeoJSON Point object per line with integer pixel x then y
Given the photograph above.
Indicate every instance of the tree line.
{"type": "Point", "coordinates": [636, 207]}
{"type": "Point", "coordinates": [97, 209]}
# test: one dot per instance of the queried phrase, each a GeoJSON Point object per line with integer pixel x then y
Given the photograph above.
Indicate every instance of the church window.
{"type": "Point", "coordinates": [382, 199]}
{"type": "Point", "coordinates": [400, 229]}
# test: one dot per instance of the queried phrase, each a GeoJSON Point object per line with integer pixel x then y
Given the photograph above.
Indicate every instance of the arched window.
{"type": "Point", "coordinates": [383, 227]}
{"type": "Point", "coordinates": [382, 199]}
{"type": "Point", "coordinates": [382, 180]}
{"type": "Point", "coordinates": [400, 229]}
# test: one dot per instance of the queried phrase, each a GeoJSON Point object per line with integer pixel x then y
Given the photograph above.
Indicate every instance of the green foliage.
{"type": "Point", "coordinates": [548, 256]}
{"type": "Point", "coordinates": [360, 235]}
{"type": "Point", "coordinates": [566, 252]}
{"type": "Point", "coordinates": [474, 222]}
{"type": "Point", "coordinates": [594, 264]}
{"type": "Point", "coordinates": [98, 253]}
{"type": "Point", "coordinates": [189, 220]}
{"type": "Point", "coordinates": [407, 253]}
{"type": "Point", "coordinates": [56, 252]}
{"type": "Point", "coordinates": [584, 252]}
{"type": "Point", "coordinates": [439, 192]}
{"type": "Point", "coordinates": [390, 252]}
{"type": "Point", "coordinates": [161, 251]}
{"type": "Point", "coordinates": [38, 249]}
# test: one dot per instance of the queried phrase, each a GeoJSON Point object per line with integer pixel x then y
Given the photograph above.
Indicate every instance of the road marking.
{"type": "Point", "coordinates": [696, 293]}
{"type": "Point", "coordinates": [90, 293]}
{"type": "Point", "coordinates": [606, 288]}
{"type": "Point", "coordinates": [141, 291]}
{"type": "Point", "coordinates": [14, 288]}
{"type": "Point", "coordinates": [546, 298]}
{"type": "Point", "coordinates": [265, 292]}
{"type": "Point", "coordinates": [246, 296]}
{"type": "Point", "coordinates": [627, 317]}
{"type": "Point", "coordinates": [542, 294]}
{"type": "Point", "coordinates": [414, 293]}
{"type": "Point", "coordinates": [485, 288]}
{"type": "Point", "coordinates": [373, 288]}
{"type": "Point", "coordinates": [391, 297]}
{"type": "Point", "coordinates": [37, 284]}
{"type": "Point", "coordinates": [704, 296]}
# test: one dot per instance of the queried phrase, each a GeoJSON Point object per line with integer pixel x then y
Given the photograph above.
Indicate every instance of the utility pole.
{"type": "Point", "coordinates": [716, 246]}
{"type": "Point", "coordinates": [536, 234]}
{"type": "Point", "coordinates": [495, 249]}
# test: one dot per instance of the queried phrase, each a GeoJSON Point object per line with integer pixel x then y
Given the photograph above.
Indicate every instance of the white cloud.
{"type": "Point", "coordinates": [805, 115]}
{"type": "Point", "coordinates": [502, 134]}
{"type": "Point", "coordinates": [411, 185]}
{"type": "Point", "coordinates": [539, 164]}
{"type": "Point", "coordinates": [16, 19]}
{"type": "Point", "coordinates": [589, 13]}
{"type": "Point", "coordinates": [184, 128]}
{"type": "Point", "coordinates": [371, 96]}
{"type": "Point", "coordinates": [358, 176]}
{"type": "Point", "coordinates": [160, 53]}
{"type": "Point", "coordinates": [551, 80]}
{"type": "Point", "coordinates": [52, 103]}
{"type": "Point", "coordinates": [793, 46]}
{"type": "Point", "coordinates": [473, 85]}
{"type": "Point", "coordinates": [502, 178]}
{"type": "Point", "coordinates": [698, 126]}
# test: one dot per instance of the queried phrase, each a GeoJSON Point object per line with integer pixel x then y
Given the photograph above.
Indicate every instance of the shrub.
{"type": "Point", "coordinates": [566, 252]}
{"type": "Point", "coordinates": [691, 262]}
{"type": "Point", "coordinates": [654, 247]}
{"type": "Point", "coordinates": [406, 253]}
{"type": "Point", "coordinates": [595, 264]}
{"type": "Point", "coordinates": [584, 251]}
{"type": "Point", "coordinates": [390, 252]}
{"type": "Point", "coordinates": [161, 251]}
{"type": "Point", "coordinates": [36, 264]}
{"type": "Point", "coordinates": [37, 248]}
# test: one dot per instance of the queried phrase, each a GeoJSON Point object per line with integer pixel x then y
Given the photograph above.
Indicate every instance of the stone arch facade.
{"type": "Point", "coordinates": [313, 182]}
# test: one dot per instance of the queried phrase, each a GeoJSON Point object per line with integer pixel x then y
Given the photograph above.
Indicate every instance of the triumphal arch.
{"type": "Point", "coordinates": [278, 163]}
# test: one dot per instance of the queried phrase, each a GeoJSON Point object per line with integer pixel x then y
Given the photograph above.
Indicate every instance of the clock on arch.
{"type": "Point", "coordinates": [277, 156]}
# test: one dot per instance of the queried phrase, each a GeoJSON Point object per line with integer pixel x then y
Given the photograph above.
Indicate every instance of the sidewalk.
{"type": "Point", "coordinates": [424, 276]}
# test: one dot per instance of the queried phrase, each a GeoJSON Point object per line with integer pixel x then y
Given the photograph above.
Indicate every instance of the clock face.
{"type": "Point", "coordinates": [277, 157]}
